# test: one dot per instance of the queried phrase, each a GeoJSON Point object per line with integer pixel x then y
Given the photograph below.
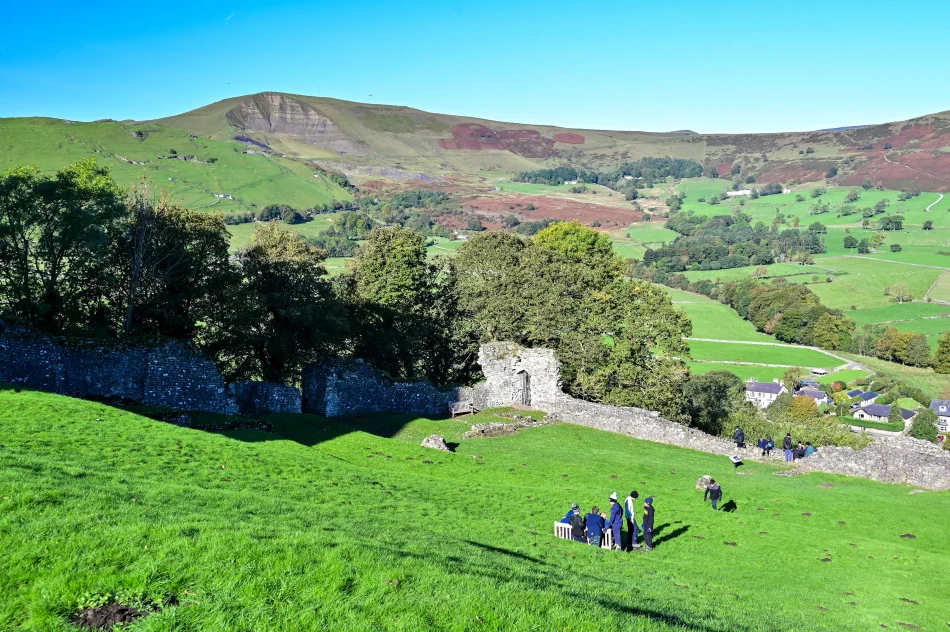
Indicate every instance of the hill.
{"type": "Point", "coordinates": [377, 138]}
{"type": "Point", "coordinates": [298, 522]}
{"type": "Point", "coordinates": [192, 169]}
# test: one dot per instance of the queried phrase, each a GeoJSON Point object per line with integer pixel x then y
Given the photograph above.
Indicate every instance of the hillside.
{"type": "Point", "coordinates": [314, 523]}
{"type": "Point", "coordinates": [389, 140]}
{"type": "Point", "coordinates": [190, 168]}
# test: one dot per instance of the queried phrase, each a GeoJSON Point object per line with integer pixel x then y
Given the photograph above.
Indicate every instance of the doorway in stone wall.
{"type": "Point", "coordinates": [524, 386]}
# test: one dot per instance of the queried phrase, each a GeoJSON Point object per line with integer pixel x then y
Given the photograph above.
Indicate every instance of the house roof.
{"type": "Point", "coordinates": [810, 392]}
{"type": "Point", "coordinates": [765, 387]}
{"type": "Point", "coordinates": [940, 406]}
{"type": "Point", "coordinates": [855, 392]}
{"type": "Point", "coordinates": [866, 396]}
{"type": "Point", "coordinates": [884, 410]}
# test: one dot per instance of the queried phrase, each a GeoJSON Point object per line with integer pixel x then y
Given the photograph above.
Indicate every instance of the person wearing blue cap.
{"type": "Point", "coordinates": [648, 524]}
{"type": "Point", "coordinates": [570, 512]}
{"type": "Point", "coordinates": [615, 520]}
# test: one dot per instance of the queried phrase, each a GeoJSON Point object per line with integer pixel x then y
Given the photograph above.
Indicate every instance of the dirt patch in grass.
{"type": "Point", "coordinates": [107, 616]}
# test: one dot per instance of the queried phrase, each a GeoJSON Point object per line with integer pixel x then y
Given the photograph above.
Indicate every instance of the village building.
{"type": "Point", "coordinates": [880, 413]}
{"type": "Point", "coordinates": [864, 397]}
{"type": "Point", "coordinates": [762, 394]}
{"type": "Point", "coordinates": [820, 397]}
{"type": "Point", "coordinates": [942, 408]}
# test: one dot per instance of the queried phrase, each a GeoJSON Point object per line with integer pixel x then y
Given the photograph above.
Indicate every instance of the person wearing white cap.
{"type": "Point", "coordinates": [615, 520]}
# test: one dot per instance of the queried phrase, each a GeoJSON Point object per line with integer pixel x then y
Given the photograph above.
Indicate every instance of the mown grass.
{"type": "Point", "coordinates": [761, 354]}
{"type": "Point", "coordinates": [353, 526]}
{"type": "Point", "coordinates": [715, 320]}
{"type": "Point", "coordinates": [874, 425]}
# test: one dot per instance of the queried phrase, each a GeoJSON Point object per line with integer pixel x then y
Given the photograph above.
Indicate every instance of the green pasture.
{"type": "Point", "coordinates": [651, 233]}
{"type": "Point", "coordinates": [874, 425]}
{"type": "Point", "coordinates": [350, 525]}
{"type": "Point", "coordinates": [845, 375]}
{"type": "Point", "coordinates": [679, 296]}
{"type": "Point", "coordinates": [241, 234]}
{"type": "Point", "coordinates": [220, 166]}
{"type": "Point", "coordinates": [761, 354]}
{"type": "Point", "coordinates": [715, 320]}
{"type": "Point", "coordinates": [861, 282]}
{"type": "Point", "coordinates": [744, 371]}
{"type": "Point", "coordinates": [896, 312]}
{"type": "Point", "coordinates": [628, 249]}
{"type": "Point", "coordinates": [772, 271]}
{"type": "Point", "coordinates": [940, 291]}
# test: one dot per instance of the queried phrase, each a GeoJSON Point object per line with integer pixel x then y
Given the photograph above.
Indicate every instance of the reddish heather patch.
{"type": "Point", "coordinates": [570, 138]}
{"type": "Point", "coordinates": [925, 170]}
{"type": "Point", "coordinates": [553, 208]}
{"type": "Point", "coordinates": [475, 137]}
{"type": "Point", "coordinates": [936, 142]}
{"type": "Point", "coordinates": [908, 134]}
{"type": "Point", "coordinates": [724, 169]}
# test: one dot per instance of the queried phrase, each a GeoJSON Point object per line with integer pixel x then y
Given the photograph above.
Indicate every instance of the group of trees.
{"type": "Point", "coordinates": [726, 241]}
{"type": "Point", "coordinates": [643, 172]}
{"type": "Point", "coordinates": [79, 256]}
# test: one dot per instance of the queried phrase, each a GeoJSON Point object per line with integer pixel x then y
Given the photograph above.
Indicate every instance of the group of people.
{"type": "Point", "coordinates": [766, 445]}
{"type": "Point", "coordinates": [593, 527]}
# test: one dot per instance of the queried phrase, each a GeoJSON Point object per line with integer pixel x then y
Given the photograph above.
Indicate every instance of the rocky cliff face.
{"type": "Point", "coordinates": [281, 115]}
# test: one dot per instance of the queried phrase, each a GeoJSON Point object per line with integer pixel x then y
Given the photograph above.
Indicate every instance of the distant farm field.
{"type": "Point", "coordinates": [761, 354]}
{"type": "Point", "coordinates": [715, 320]}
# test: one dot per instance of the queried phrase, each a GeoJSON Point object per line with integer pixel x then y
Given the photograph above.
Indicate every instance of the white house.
{"type": "Point", "coordinates": [942, 408]}
{"type": "Point", "coordinates": [880, 412]}
{"type": "Point", "coordinates": [762, 394]}
{"type": "Point", "coordinates": [739, 192]}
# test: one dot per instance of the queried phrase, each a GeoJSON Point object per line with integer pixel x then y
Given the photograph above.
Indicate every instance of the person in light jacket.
{"type": "Point", "coordinates": [629, 512]}
{"type": "Point", "coordinates": [714, 493]}
{"type": "Point", "coordinates": [615, 520]}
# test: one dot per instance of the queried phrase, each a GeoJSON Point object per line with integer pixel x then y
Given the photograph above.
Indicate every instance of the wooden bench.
{"type": "Point", "coordinates": [563, 531]}
{"type": "Point", "coordinates": [459, 408]}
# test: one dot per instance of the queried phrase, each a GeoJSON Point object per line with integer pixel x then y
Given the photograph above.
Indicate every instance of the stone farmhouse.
{"type": "Point", "coordinates": [762, 394]}
{"type": "Point", "coordinates": [880, 412]}
{"type": "Point", "coordinates": [942, 408]}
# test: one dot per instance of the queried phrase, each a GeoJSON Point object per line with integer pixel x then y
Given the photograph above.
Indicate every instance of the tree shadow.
{"type": "Point", "coordinates": [729, 507]}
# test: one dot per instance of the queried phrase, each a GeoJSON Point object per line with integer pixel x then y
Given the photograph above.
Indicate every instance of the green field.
{"type": "Point", "coordinates": [715, 320]}
{"type": "Point", "coordinates": [679, 296]}
{"type": "Point", "coordinates": [326, 525]}
{"type": "Point", "coordinates": [220, 166]}
{"type": "Point", "coordinates": [874, 425]}
{"type": "Point", "coordinates": [744, 371]}
{"type": "Point", "coordinates": [761, 354]}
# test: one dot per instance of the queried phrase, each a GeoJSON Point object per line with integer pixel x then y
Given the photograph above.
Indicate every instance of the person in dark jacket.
{"type": "Point", "coordinates": [615, 521]}
{"type": "Point", "coordinates": [714, 493]}
{"type": "Point", "coordinates": [578, 528]}
{"type": "Point", "coordinates": [567, 518]}
{"type": "Point", "coordinates": [648, 524]}
{"type": "Point", "coordinates": [595, 526]}
{"type": "Point", "coordinates": [739, 436]}
{"type": "Point", "coordinates": [809, 449]}
{"type": "Point", "coordinates": [769, 445]}
{"type": "Point", "coordinates": [761, 444]}
{"type": "Point", "coordinates": [787, 446]}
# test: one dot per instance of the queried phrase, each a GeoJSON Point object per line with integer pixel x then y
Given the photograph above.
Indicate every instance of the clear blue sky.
{"type": "Point", "coordinates": [672, 64]}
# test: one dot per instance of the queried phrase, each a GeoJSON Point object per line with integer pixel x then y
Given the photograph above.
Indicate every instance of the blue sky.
{"type": "Point", "coordinates": [707, 66]}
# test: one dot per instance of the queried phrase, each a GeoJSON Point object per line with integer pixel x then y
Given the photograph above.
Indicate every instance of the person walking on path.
{"type": "Point", "coordinates": [615, 520]}
{"type": "Point", "coordinates": [629, 512]}
{"type": "Point", "coordinates": [714, 493]}
{"type": "Point", "coordinates": [578, 528]}
{"type": "Point", "coordinates": [787, 445]}
{"type": "Point", "coordinates": [595, 526]}
{"type": "Point", "coordinates": [648, 524]}
{"type": "Point", "coordinates": [739, 436]}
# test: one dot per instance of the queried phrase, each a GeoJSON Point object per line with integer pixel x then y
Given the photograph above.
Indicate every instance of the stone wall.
{"type": "Point", "coordinates": [349, 388]}
{"type": "Point", "coordinates": [517, 375]}
{"type": "Point", "coordinates": [259, 398]}
{"type": "Point", "coordinates": [171, 374]}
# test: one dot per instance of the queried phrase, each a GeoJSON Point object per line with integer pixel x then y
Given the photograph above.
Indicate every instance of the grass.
{"type": "Point", "coordinates": [845, 375]}
{"type": "Point", "coordinates": [254, 180]}
{"type": "Point", "coordinates": [761, 354]}
{"type": "Point", "coordinates": [715, 320]}
{"type": "Point", "coordinates": [862, 423]}
{"type": "Point", "coordinates": [744, 371]}
{"type": "Point", "coordinates": [353, 526]}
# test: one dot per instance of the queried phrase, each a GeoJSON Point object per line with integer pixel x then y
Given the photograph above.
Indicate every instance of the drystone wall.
{"type": "Point", "coordinates": [259, 398]}
{"type": "Point", "coordinates": [351, 388]}
{"type": "Point", "coordinates": [170, 374]}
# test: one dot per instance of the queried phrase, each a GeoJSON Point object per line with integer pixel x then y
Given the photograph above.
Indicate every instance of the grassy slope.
{"type": "Point", "coordinates": [253, 179]}
{"type": "Point", "coordinates": [346, 528]}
